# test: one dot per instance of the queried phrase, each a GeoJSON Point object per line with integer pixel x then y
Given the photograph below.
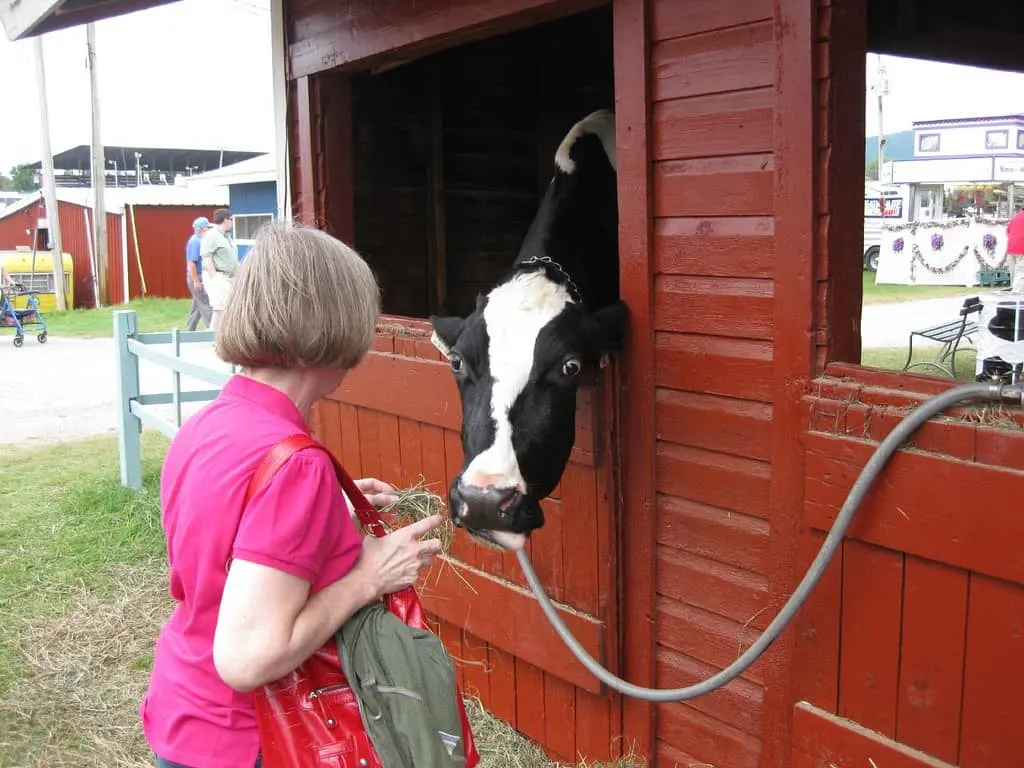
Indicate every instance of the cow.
{"type": "Point", "coordinates": [517, 358]}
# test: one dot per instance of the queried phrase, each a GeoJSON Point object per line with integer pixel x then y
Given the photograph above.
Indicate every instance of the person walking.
{"type": "Point", "coordinates": [220, 260]}
{"type": "Point", "coordinates": [1015, 251]}
{"type": "Point", "coordinates": [200, 308]}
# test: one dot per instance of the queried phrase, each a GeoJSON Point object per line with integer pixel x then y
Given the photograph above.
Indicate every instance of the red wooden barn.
{"type": "Point", "coordinates": [153, 221]}
{"type": "Point", "coordinates": [713, 455]}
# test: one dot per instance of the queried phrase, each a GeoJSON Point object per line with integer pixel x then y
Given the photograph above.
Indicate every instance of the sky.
{"type": "Point", "coordinates": [194, 73]}
{"type": "Point", "coordinates": [927, 90]}
{"type": "Point", "coordinates": [197, 74]}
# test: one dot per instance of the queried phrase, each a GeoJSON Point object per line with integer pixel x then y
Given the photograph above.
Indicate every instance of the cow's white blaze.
{"type": "Point", "coordinates": [515, 313]}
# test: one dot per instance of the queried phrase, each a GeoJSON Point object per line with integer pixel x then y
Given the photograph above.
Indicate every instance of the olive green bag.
{"type": "Point", "coordinates": [404, 682]}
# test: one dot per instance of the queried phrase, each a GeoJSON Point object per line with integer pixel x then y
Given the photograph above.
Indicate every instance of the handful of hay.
{"type": "Point", "coordinates": [419, 503]}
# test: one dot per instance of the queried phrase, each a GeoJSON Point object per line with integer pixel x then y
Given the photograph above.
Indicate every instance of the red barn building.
{"type": "Point", "coordinates": [154, 222]}
{"type": "Point", "coordinates": [711, 458]}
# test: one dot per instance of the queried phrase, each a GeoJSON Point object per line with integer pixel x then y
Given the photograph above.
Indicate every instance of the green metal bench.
{"type": "Point", "coordinates": [949, 335]}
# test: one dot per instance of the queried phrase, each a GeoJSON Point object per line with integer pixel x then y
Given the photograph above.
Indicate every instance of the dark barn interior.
{"type": "Point", "coordinates": [452, 153]}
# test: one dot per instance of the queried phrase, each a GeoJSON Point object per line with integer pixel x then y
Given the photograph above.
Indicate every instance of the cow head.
{"type": "Point", "coordinates": [518, 357]}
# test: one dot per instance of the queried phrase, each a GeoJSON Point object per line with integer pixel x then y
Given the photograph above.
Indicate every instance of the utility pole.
{"type": "Point", "coordinates": [49, 182]}
{"type": "Point", "coordinates": [882, 89]}
{"type": "Point", "coordinates": [99, 171]}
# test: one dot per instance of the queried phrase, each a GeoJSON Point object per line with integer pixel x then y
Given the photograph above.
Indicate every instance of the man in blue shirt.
{"type": "Point", "coordinates": [194, 277]}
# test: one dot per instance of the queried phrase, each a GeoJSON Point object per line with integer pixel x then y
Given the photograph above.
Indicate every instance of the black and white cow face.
{"type": "Point", "coordinates": [518, 357]}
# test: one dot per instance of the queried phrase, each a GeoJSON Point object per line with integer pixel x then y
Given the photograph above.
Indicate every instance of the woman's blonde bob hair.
{"type": "Point", "coordinates": [301, 299]}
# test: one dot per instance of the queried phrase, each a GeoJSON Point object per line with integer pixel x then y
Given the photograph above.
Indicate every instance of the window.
{"type": "Point", "coordinates": [248, 224]}
{"type": "Point", "coordinates": [996, 139]}
{"type": "Point", "coordinates": [928, 142]}
{"type": "Point", "coordinates": [39, 282]}
{"type": "Point", "coordinates": [1020, 139]}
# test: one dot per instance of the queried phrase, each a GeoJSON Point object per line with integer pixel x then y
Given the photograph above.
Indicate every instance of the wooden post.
{"type": "Point", "coordinates": [99, 173]}
{"type": "Point", "coordinates": [49, 182]}
{"type": "Point", "coordinates": [129, 427]}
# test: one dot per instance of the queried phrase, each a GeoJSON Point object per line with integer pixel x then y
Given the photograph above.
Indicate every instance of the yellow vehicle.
{"type": "Point", "coordinates": [18, 265]}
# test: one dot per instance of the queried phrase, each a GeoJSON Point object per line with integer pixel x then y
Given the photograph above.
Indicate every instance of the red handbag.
{"type": "Point", "coordinates": [310, 717]}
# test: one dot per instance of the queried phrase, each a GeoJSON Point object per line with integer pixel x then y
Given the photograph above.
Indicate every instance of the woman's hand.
{"type": "Point", "coordinates": [394, 561]}
{"type": "Point", "coordinates": [377, 492]}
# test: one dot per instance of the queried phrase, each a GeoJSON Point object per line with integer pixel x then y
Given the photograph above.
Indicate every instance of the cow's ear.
{"type": "Point", "coordinates": [446, 332]}
{"type": "Point", "coordinates": [607, 329]}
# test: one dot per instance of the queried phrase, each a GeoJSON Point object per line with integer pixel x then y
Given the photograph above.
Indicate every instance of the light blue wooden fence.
{"type": "Point", "coordinates": [136, 408]}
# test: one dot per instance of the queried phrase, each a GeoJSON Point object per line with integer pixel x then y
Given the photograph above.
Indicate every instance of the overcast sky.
{"type": "Point", "coordinates": [197, 73]}
{"type": "Point", "coordinates": [194, 73]}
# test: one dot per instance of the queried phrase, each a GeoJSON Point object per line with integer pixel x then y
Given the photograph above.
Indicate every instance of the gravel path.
{"type": "Point", "coordinates": [67, 388]}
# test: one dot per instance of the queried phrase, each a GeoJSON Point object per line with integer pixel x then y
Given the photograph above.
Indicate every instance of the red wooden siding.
{"type": "Point", "coordinates": [740, 134]}
{"type": "Point", "coordinates": [713, 111]}
{"type": "Point", "coordinates": [479, 599]}
{"type": "Point", "coordinates": [916, 633]}
{"type": "Point", "coordinates": [322, 37]}
{"type": "Point", "coordinates": [906, 653]}
{"type": "Point", "coordinates": [163, 232]}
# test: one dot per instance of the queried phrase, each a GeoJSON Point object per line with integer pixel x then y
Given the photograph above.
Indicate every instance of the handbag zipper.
{"type": "Point", "coordinates": [318, 692]}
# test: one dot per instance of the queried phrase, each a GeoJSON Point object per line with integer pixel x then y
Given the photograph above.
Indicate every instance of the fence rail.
{"type": "Point", "coordinates": [135, 408]}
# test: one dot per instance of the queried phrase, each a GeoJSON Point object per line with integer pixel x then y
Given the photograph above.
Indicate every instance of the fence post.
{"type": "Point", "coordinates": [129, 427]}
{"type": "Point", "coordinates": [176, 378]}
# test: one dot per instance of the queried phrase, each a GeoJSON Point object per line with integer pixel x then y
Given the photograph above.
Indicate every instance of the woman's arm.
{"type": "Point", "coordinates": [269, 625]}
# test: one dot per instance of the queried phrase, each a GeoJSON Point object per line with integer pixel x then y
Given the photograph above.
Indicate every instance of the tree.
{"type": "Point", "coordinates": [23, 177]}
{"type": "Point", "coordinates": [6, 185]}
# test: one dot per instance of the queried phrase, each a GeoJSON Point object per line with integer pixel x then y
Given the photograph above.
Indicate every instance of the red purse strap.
{"type": "Point", "coordinates": [282, 451]}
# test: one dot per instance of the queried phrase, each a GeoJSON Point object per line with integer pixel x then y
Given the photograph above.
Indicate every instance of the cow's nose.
{"type": "Point", "coordinates": [485, 507]}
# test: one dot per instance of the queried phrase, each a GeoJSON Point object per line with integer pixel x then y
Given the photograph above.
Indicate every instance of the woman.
{"type": "Point", "coordinates": [303, 313]}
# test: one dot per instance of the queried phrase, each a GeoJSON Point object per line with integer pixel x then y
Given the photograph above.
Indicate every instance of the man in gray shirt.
{"type": "Point", "coordinates": [220, 260]}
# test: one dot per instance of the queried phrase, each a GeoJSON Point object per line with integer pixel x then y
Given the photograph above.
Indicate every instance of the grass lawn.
{"type": "Point", "coordinates": [83, 593]}
{"type": "Point", "coordinates": [888, 294]}
{"type": "Point", "coordinates": [154, 315]}
{"type": "Point", "coordinates": [893, 358]}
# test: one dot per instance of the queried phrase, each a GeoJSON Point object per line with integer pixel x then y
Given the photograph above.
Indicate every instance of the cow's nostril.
{"type": "Point", "coordinates": [506, 498]}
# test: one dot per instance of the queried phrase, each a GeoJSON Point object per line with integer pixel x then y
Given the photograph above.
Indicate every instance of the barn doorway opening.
{"type": "Point", "coordinates": [942, 168]}
{"type": "Point", "coordinates": [451, 154]}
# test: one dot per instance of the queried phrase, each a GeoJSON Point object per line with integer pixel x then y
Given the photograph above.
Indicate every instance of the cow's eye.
{"type": "Point", "coordinates": [456, 362]}
{"type": "Point", "coordinates": [571, 367]}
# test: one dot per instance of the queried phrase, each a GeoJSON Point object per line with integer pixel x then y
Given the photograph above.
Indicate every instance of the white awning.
{"type": "Point", "coordinates": [29, 18]}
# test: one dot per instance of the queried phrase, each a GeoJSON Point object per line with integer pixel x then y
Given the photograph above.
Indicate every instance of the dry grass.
{"type": "Point", "coordinates": [83, 593]}
{"type": "Point", "coordinates": [501, 746]}
{"type": "Point", "coordinates": [85, 672]}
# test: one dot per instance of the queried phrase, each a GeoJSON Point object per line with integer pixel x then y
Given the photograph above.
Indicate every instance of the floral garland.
{"type": "Point", "coordinates": [918, 258]}
{"type": "Point", "coordinates": [985, 264]}
{"type": "Point", "coordinates": [913, 226]}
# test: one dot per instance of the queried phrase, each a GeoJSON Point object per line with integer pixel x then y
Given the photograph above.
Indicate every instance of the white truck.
{"type": "Point", "coordinates": [888, 203]}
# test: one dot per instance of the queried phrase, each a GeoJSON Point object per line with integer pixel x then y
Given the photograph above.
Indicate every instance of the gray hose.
{"type": "Point", "coordinates": [868, 475]}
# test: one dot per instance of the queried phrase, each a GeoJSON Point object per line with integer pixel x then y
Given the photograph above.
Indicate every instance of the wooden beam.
{"type": "Point", "coordinates": [365, 34]}
{"type": "Point", "coordinates": [793, 356]}
{"type": "Point", "coordinates": [636, 496]}
{"type": "Point", "coordinates": [821, 738]}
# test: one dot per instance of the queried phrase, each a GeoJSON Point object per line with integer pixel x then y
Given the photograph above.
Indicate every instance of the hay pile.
{"type": "Point", "coordinates": [418, 503]}
{"type": "Point", "coordinates": [87, 670]}
{"type": "Point", "coordinates": [501, 746]}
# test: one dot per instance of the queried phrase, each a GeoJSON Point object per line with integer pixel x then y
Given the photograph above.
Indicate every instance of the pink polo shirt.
{"type": "Point", "coordinates": [299, 523]}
